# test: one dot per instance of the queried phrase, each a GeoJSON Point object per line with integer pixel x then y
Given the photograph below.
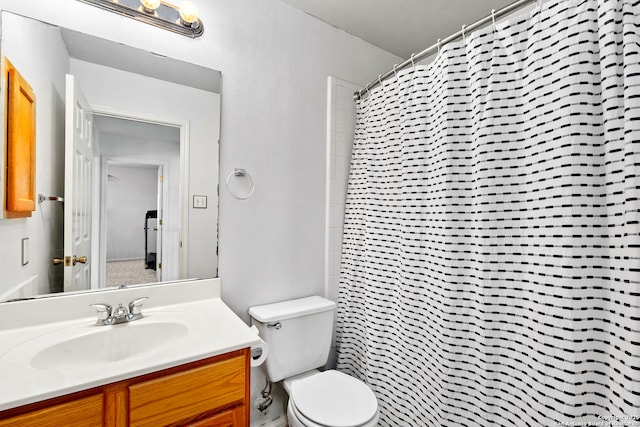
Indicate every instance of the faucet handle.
{"type": "Point", "coordinates": [104, 312]}
{"type": "Point", "coordinates": [135, 306]}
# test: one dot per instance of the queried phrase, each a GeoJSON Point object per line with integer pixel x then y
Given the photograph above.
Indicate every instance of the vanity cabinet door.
{"type": "Point", "coordinates": [85, 412]}
{"type": "Point", "coordinates": [230, 418]}
{"type": "Point", "coordinates": [188, 395]}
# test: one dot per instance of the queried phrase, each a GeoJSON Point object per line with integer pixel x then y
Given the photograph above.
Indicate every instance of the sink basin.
{"type": "Point", "coordinates": [108, 344]}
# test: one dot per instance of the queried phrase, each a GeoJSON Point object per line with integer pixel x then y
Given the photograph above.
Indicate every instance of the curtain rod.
{"type": "Point", "coordinates": [434, 48]}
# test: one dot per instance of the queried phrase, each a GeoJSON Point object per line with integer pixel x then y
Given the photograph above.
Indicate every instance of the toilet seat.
{"type": "Point", "coordinates": [332, 398]}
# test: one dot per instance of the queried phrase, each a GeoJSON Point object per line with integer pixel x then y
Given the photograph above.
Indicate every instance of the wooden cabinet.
{"type": "Point", "coordinates": [228, 418]}
{"type": "Point", "coordinates": [20, 119]}
{"type": "Point", "coordinates": [213, 392]}
{"type": "Point", "coordinates": [81, 412]}
{"type": "Point", "coordinates": [186, 395]}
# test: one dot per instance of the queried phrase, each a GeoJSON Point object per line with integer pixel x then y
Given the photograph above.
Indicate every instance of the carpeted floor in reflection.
{"type": "Point", "coordinates": [130, 272]}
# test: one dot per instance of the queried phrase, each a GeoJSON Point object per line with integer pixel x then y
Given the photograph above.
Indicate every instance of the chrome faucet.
{"type": "Point", "coordinates": [121, 314]}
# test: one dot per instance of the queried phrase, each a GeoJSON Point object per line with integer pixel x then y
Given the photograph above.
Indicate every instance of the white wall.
{"type": "Point", "coordinates": [272, 245]}
{"type": "Point", "coordinates": [44, 227]}
{"type": "Point", "coordinates": [341, 120]}
{"type": "Point", "coordinates": [131, 192]}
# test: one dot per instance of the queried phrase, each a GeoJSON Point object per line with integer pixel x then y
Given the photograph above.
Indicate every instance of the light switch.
{"type": "Point", "coordinates": [25, 251]}
{"type": "Point", "coordinates": [200, 202]}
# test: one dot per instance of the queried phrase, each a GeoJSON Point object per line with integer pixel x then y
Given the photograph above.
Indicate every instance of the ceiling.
{"type": "Point", "coordinates": [104, 52]}
{"type": "Point", "coordinates": [401, 27]}
{"type": "Point", "coordinates": [136, 129]}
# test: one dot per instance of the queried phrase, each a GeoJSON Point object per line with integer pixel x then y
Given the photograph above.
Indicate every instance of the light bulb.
{"type": "Point", "coordinates": [188, 12]}
{"type": "Point", "coordinates": [150, 5]}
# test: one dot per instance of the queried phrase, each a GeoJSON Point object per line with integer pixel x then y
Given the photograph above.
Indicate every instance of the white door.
{"type": "Point", "coordinates": [77, 189]}
{"type": "Point", "coordinates": [159, 225]}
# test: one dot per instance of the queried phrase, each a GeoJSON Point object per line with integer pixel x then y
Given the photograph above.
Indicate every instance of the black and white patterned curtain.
{"type": "Point", "coordinates": [491, 256]}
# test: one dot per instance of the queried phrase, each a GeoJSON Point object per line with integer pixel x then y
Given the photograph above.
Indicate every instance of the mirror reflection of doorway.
{"type": "Point", "coordinates": [139, 195]}
{"type": "Point", "coordinates": [132, 227]}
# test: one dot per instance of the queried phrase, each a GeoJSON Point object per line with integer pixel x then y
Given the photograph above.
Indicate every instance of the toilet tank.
{"type": "Point", "coordinates": [298, 333]}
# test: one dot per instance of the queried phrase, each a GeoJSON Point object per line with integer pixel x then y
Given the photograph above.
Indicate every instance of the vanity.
{"type": "Point", "coordinates": [185, 362]}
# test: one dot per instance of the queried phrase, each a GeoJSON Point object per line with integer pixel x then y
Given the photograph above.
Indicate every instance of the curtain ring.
{"type": "Point", "coordinates": [493, 18]}
{"type": "Point", "coordinates": [380, 81]}
{"type": "Point", "coordinates": [438, 46]}
{"type": "Point", "coordinates": [413, 63]}
{"type": "Point", "coordinates": [464, 37]}
{"type": "Point", "coordinates": [395, 73]}
{"type": "Point", "coordinates": [366, 89]}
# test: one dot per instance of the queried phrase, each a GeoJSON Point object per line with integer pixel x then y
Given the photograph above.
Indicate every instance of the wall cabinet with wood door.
{"type": "Point", "coordinates": [213, 392]}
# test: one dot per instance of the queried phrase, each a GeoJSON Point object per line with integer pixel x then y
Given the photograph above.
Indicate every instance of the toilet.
{"type": "Point", "coordinates": [298, 333]}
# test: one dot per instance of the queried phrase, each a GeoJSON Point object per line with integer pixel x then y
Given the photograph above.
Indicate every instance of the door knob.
{"type": "Point", "coordinates": [81, 260]}
{"type": "Point", "coordinates": [67, 260]}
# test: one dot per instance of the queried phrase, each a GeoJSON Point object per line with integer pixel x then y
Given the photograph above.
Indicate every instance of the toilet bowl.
{"type": "Point", "coordinates": [298, 333]}
{"type": "Point", "coordinates": [330, 399]}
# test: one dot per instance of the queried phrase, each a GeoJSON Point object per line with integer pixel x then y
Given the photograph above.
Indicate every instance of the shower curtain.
{"type": "Point", "coordinates": [491, 254]}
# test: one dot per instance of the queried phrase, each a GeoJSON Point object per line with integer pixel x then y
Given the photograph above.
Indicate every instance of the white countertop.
{"type": "Point", "coordinates": [212, 329]}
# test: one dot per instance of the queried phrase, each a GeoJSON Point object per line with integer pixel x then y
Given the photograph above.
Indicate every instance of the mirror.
{"type": "Point", "coordinates": [145, 203]}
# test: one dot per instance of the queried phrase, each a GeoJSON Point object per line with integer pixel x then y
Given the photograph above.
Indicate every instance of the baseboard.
{"type": "Point", "coordinates": [278, 422]}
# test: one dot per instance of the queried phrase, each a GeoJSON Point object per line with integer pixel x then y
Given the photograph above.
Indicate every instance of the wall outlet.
{"type": "Point", "coordinates": [200, 202]}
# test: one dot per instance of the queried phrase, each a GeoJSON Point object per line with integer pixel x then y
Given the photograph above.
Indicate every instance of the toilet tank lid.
{"type": "Point", "coordinates": [290, 309]}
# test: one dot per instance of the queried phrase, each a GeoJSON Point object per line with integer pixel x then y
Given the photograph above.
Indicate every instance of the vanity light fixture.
{"type": "Point", "coordinates": [150, 6]}
{"type": "Point", "coordinates": [182, 19]}
{"type": "Point", "coordinates": [188, 13]}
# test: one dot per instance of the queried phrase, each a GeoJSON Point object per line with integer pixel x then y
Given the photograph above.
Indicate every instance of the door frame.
{"type": "Point", "coordinates": [183, 125]}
